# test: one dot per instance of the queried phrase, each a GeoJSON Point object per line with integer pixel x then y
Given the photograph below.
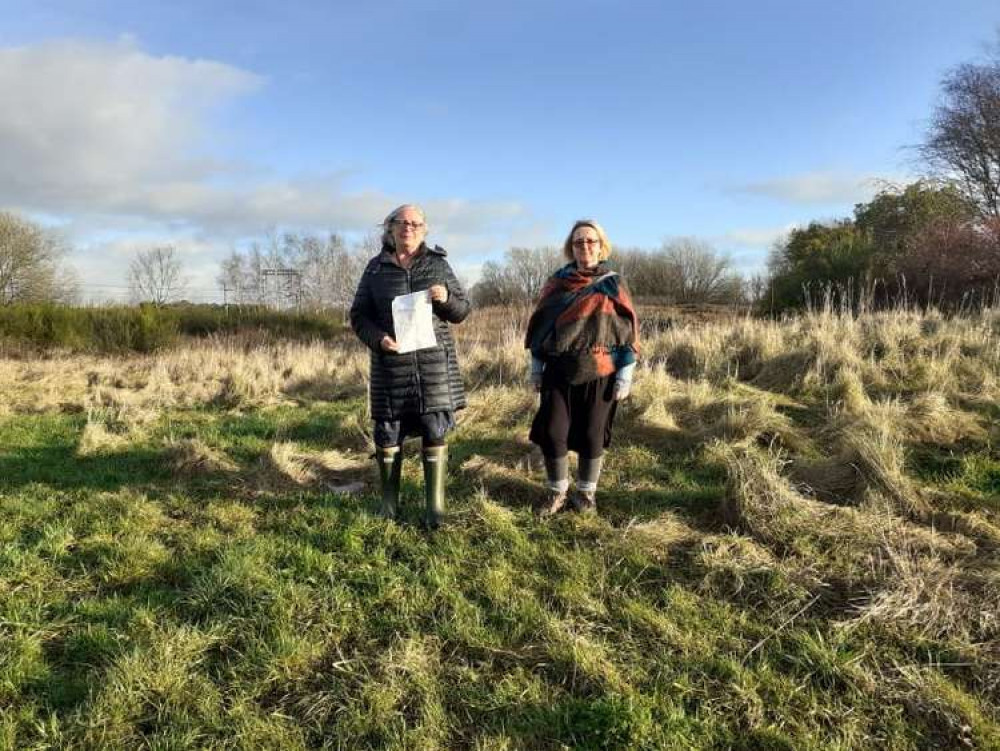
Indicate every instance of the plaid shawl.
{"type": "Point", "coordinates": [584, 319]}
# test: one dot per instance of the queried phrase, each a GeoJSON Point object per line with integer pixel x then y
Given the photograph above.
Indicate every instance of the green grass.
{"type": "Point", "coordinates": [145, 608]}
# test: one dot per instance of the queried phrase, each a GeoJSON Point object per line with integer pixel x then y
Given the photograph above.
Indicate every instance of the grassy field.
{"type": "Point", "coordinates": [797, 548]}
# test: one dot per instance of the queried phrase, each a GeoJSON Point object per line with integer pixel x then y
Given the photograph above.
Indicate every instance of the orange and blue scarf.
{"type": "Point", "coordinates": [586, 321]}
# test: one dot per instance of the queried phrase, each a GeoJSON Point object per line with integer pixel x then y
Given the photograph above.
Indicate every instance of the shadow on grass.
{"type": "Point", "coordinates": [511, 474]}
{"type": "Point", "coordinates": [328, 428]}
{"type": "Point", "coordinates": [58, 466]}
{"type": "Point", "coordinates": [699, 505]}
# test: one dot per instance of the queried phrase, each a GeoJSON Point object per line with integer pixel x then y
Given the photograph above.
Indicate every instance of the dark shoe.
{"type": "Point", "coordinates": [435, 471]}
{"type": "Point", "coordinates": [390, 464]}
{"type": "Point", "coordinates": [552, 504]}
{"type": "Point", "coordinates": [584, 502]}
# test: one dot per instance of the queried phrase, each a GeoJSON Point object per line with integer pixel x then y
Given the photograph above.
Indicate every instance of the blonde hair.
{"type": "Point", "coordinates": [387, 238]}
{"type": "Point", "coordinates": [601, 234]}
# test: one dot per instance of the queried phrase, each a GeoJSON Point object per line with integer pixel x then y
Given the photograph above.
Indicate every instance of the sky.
{"type": "Point", "coordinates": [208, 125]}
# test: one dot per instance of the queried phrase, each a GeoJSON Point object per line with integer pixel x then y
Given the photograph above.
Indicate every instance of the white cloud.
{"type": "Point", "coordinates": [84, 124]}
{"type": "Point", "coordinates": [817, 187]}
{"type": "Point", "coordinates": [755, 237]}
{"type": "Point", "coordinates": [111, 138]}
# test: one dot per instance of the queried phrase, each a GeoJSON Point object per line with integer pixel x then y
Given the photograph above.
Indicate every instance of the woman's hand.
{"type": "Point", "coordinates": [439, 293]}
{"type": "Point", "coordinates": [388, 344]}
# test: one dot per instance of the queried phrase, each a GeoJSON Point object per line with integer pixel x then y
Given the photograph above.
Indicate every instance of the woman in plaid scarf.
{"type": "Point", "coordinates": [583, 337]}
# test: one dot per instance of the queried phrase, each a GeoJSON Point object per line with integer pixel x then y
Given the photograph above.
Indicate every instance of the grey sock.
{"type": "Point", "coordinates": [588, 473]}
{"type": "Point", "coordinates": [557, 472]}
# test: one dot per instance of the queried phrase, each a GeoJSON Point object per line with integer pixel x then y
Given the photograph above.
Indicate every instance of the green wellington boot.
{"type": "Point", "coordinates": [435, 471]}
{"type": "Point", "coordinates": [390, 463]}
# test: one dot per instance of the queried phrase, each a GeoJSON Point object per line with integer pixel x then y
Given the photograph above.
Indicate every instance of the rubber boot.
{"type": "Point", "coordinates": [435, 472]}
{"type": "Point", "coordinates": [390, 463]}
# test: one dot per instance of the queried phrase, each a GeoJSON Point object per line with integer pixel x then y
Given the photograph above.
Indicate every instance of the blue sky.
{"type": "Point", "coordinates": [209, 124]}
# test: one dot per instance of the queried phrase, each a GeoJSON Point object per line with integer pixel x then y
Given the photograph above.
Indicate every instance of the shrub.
{"type": "Point", "coordinates": [148, 328]}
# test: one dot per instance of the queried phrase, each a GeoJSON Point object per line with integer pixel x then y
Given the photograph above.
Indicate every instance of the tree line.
{"type": "Point", "coordinates": [935, 241]}
{"type": "Point", "coordinates": [681, 271]}
{"type": "Point", "coordinates": [927, 242]}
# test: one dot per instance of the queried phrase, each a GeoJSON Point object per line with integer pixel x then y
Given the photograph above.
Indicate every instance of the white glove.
{"type": "Point", "coordinates": [622, 390]}
{"type": "Point", "coordinates": [623, 383]}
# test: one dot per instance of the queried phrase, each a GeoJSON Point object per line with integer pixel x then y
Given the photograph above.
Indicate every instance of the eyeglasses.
{"type": "Point", "coordinates": [404, 224]}
{"type": "Point", "coordinates": [588, 243]}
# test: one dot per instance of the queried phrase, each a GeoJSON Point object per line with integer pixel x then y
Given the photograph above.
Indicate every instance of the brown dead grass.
{"type": "Point", "coordinates": [286, 462]}
{"type": "Point", "coordinates": [221, 372]}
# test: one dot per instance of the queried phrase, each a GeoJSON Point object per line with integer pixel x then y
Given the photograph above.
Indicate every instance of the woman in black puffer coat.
{"type": "Point", "coordinates": [416, 393]}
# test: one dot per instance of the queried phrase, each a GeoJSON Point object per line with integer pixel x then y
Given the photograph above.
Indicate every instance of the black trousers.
{"type": "Point", "coordinates": [574, 418]}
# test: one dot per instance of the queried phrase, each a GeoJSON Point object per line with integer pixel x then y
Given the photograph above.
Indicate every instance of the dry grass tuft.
{"type": "Point", "coordinates": [286, 461]}
{"type": "Point", "coordinates": [847, 390]}
{"type": "Point", "coordinates": [752, 419]}
{"type": "Point", "coordinates": [879, 454]}
{"type": "Point", "coordinates": [971, 524]}
{"type": "Point", "coordinates": [735, 566]}
{"type": "Point", "coordinates": [931, 419]}
{"type": "Point", "coordinates": [189, 456]}
{"type": "Point", "coordinates": [785, 372]}
{"type": "Point", "coordinates": [658, 536]}
{"type": "Point", "coordinates": [935, 598]}
{"type": "Point", "coordinates": [96, 439]}
{"type": "Point", "coordinates": [761, 501]}
{"type": "Point", "coordinates": [498, 360]}
{"type": "Point", "coordinates": [694, 412]}
{"type": "Point", "coordinates": [495, 407]}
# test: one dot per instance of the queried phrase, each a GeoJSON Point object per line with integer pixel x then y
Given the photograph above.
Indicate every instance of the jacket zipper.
{"type": "Point", "coordinates": [416, 362]}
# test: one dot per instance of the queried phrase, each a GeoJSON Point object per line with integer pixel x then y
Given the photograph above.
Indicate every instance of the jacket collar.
{"type": "Point", "coordinates": [388, 254]}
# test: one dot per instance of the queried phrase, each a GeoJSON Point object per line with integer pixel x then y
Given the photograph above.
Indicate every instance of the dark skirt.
{"type": "Point", "coordinates": [574, 418]}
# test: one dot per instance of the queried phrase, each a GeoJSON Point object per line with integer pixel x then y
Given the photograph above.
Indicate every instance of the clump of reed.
{"type": "Point", "coordinates": [287, 462]}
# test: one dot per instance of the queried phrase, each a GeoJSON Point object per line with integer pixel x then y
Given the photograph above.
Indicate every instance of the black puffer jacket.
{"type": "Point", "coordinates": [427, 380]}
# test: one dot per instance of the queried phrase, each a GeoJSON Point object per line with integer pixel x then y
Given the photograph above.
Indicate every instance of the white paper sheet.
{"type": "Point", "coordinates": [413, 319]}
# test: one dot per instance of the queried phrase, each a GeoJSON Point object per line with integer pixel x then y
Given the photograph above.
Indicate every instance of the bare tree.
{"type": "Point", "coordinates": [370, 245]}
{"type": "Point", "coordinates": [755, 288]}
{"type": "Point", "coordinates": [242, 275]}
{"type": "Point", "coordinates": [30, 268]}
{"type": "Point", "coordinates": [694, 273]}
{"type": "Point", "coordinates": [519, 278]}
{"type": "Point", "coordinates": [964, 134]}
{"type": "Point", "coordinates": [155, 276]}
{"type": "Point", "coordinates": [325, 269]}
{"type": "Point", "coordinates": [329, 271]}
{"type": "Point", "coordinates": [683, 271]}
{"type": "Point", "coordinates": [531, 267]}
